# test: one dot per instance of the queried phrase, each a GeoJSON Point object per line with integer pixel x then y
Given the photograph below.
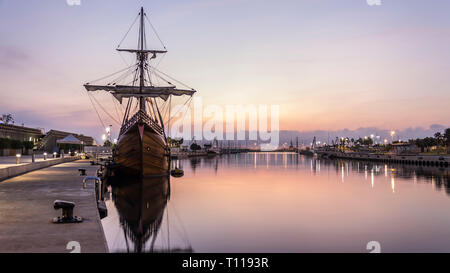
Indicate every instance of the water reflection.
{"type": "Point", "coordinates": [140, 205]}
{"type": "Point", "coordinates": [282, 202]}
{"type": "Point", "coordinates": [439, 177]}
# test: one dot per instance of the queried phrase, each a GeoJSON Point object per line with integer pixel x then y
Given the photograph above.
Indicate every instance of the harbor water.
{"type": "Point", "coordinates": [282, 202]}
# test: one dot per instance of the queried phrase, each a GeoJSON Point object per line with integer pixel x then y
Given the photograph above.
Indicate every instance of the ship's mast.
{"type": "Point", "coordinates": [141, 56]}
{"type": "Point", "coordinates": [142, 93]}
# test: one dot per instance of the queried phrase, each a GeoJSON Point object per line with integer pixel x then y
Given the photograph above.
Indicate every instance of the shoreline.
{"type": "Point", "coordinates": [418, 160]}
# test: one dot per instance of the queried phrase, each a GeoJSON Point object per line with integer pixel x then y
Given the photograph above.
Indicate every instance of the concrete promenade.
{"type": "Point", "coordinates": [8, 170]}
{"type": "Point", "coordinates": [26, 211]}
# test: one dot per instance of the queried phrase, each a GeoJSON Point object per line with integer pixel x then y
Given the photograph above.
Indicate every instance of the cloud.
{"type": "Point", "coordinates": [12, 57]}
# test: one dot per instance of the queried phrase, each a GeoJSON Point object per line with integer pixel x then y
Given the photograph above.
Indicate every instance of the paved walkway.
{"type": "Point", "coordinates": [8, 161]}
{"type": "Point", "coordinates": [26, 211]}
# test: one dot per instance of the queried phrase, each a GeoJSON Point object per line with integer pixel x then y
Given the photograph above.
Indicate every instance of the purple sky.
{"type": "Point", "coordinates": [328, 64]}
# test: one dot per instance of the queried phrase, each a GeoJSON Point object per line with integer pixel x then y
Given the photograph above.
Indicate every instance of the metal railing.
{"type": "Point", "coordinates": [98, 183]}
{"type": "Point", "coordinates": [141, 116]}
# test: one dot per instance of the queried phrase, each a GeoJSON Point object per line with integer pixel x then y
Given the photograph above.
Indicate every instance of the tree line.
{"type": "Point", "coordinates": [438, 140]}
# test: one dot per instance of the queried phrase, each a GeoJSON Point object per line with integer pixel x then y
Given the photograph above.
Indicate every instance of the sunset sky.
{"type": "Point", "coordinates": [329, 64]}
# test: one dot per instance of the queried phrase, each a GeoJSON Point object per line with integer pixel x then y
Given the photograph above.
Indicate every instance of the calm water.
{"type": "Point", "coordinates": [280, 202]}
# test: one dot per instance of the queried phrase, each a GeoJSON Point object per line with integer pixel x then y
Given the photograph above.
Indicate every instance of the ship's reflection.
{"type": "Point", "coordinates": [141, 206]}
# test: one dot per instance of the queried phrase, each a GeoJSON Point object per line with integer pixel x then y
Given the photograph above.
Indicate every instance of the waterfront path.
{"type": "Point", "coordinates": [10, 161]}
{"type": "Point", "coordinates": [26, 211]}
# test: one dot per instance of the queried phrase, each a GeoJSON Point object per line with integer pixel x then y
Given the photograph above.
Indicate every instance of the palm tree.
{"type": "Point", "coordinates": [447, 139]}
{"type": "Point", "coordinates": [421, 144]}
{"type": "Point", "coordinates": [439, 139]}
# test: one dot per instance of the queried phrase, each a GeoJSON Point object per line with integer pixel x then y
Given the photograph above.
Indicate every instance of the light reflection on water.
{"type": "Point", "coordinates": [281, 202]}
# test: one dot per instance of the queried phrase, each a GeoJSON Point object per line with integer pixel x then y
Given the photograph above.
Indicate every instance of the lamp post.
{"type": "Point", "coordinates": [45, 156]}
{"type": "Point", "coordinates": [392, 136]}
{"type": "Point", "coordinates": [18, 156]}
{"type": "Point", "coordinates": [108, 131]}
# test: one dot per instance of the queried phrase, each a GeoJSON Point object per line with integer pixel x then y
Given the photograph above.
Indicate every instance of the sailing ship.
{"type": "Point", "coordinates": [142, 149]}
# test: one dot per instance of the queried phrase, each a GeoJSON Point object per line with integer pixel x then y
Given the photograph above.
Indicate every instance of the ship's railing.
{"type": "Point", "coordinates": [141, 116]}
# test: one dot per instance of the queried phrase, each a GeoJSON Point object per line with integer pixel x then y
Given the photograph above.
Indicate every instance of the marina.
{"type": "Point", "coordinates": [205, 213]}
{"type": "Point", "coordinates": [286, 128]}
{"type": "Point", "coordinates": [134, 213]}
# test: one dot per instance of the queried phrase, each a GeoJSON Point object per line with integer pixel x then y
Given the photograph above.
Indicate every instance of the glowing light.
{"type": "Point", "coordinates": [372, 178]}
{"type": "Point", "coordinates": [393, 184]}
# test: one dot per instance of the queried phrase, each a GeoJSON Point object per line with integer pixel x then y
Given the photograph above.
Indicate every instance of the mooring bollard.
{"type": "Point", "coordinates": [18, 158]}
{"type": "Point", "coordinates": [67, 212]}
{"type": "Point", "coordinates": [82, 172]}
{"type": "Point", "coordinates": [45, 156]}
{"type": "Point", "coordinates": [32, 157]}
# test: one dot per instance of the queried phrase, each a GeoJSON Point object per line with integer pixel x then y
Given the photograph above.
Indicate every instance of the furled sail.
{"type": "Point", "coordinates": [142, 50]}
{"type": "Point", "coordinates": [125, 91]}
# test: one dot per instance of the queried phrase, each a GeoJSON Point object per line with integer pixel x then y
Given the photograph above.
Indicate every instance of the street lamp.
{"type": "Point", "coordinates": [108, 132]}
{"type": "Point", "coordinates": [18, 158]}
{"type": "Point", "coordinates": [45, 156]}
{"type": "Point", "coordinates": [392, 136]}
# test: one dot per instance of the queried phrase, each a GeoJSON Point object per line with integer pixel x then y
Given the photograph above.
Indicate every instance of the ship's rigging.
{"type": "Point", "coordinates": [142, 85]}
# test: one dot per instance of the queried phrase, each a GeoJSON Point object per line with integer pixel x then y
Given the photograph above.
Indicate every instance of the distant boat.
{"type": "Point", "coordinates": [142, 148]}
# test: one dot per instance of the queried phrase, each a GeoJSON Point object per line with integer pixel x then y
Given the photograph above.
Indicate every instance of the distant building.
{"type": "Point", "coordinates": [97, 150]}
{"type": "Point", "coordinates": [21, 133]}
{"type": "Point", "coordinates": [404, 148]}
{"type": "Point", "coordinates": [49, 142]}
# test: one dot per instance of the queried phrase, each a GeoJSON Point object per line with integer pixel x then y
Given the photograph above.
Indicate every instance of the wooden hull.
{"type": "Point", "coordinates": [141, 152]}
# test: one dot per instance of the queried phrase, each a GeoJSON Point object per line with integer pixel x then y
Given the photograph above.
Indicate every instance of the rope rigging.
{"type": "Point", "coordinates": [154, 30]}
{"type": "Point", "coordinates": [131, 76]}
{"type": "Point", "coordinates": [126, 34]}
